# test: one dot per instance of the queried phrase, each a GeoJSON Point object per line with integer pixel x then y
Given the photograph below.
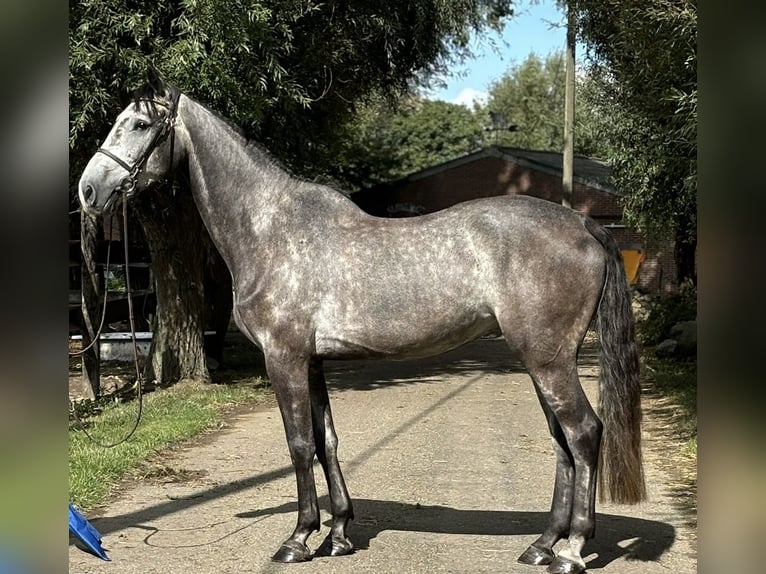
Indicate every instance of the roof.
{"type": "Point", "coordinates": [592, 172]}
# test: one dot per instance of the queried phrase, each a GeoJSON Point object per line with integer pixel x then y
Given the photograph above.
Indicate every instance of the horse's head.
{"type": "Point", "coordinates": [137, 152]}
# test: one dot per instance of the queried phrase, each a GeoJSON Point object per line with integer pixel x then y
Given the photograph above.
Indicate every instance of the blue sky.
{"type": "Point", "coordinates": [537, 27]}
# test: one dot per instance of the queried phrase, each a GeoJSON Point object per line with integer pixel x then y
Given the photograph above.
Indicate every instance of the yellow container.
{"type": "Point", "coordinates": [632, 259]}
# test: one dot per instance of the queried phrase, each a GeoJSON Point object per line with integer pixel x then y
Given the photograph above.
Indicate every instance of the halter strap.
{"type": "Point", "coordinates": [168, 125]}
{"type": "Point", "coordinates": [110, 155]}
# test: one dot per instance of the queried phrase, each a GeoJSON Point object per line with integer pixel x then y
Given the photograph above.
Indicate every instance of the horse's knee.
{"type": "Point", "coordinates": [302, 452]}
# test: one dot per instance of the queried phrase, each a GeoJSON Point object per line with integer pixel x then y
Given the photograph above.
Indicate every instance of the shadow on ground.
{"type": "Point", "coordinates": [486, 355]}
{"type": "Point", "coordinates": [618, 536]}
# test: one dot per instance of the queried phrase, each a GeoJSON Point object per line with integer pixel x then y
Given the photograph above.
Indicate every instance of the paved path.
{"type": "Point", "coordinates": [449, 464]}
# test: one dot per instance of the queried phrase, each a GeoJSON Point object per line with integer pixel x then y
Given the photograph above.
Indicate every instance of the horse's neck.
{"type": "Point", "coordinates": [236, 190]}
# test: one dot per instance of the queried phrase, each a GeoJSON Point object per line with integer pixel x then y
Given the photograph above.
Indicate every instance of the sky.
{"type": "Point", "coordinates": [537, 27]}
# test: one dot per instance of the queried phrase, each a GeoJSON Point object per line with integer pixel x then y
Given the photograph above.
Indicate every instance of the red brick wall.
{"type": "Point", "coordinates": [596, 203]}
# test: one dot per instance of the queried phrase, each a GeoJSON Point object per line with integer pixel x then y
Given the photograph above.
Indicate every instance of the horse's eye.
{"type": "Point", "coordinates": [142, 125]}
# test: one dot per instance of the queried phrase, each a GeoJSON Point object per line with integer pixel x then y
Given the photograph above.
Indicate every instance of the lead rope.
{"type": "Point", "coordinates": [103, 307]}
{"type": "Point", "coordinates": [139, 378]}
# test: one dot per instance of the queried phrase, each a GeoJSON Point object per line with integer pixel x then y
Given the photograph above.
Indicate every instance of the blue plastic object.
{"type": "Point", "coordinates": [86, 533]}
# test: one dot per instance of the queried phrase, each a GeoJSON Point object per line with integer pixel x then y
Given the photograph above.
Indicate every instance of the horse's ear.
{"type": "Point", "coordinates": [154, 79]}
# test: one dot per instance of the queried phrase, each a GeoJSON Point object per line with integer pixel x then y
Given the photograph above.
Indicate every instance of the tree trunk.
{"type": "Point", "coordinates": [218, 300]}
{"type": "Point", "coordinates": [685, 250]}
{"type": "Point", "coordinates": [686, 257]}
{"type": "Point", "coordinates": [173, 231]}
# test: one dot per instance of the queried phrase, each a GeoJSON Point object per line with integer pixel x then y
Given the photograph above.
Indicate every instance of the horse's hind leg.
{"type": "Point", "coordinates": [541, 550]}
{"type": "Point", "coordinates": [577, 457]}
{"type": "Point", "coordinates": [336, 543]}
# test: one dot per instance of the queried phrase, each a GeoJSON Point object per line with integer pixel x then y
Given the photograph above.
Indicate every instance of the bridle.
{"type": "Point", "coordinates": [167, 127]}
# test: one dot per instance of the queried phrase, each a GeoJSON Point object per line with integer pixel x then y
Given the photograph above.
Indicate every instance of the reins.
{"type": "Point", "coordinates": [103, 308]}
{"type": "Point", "coordinates": [168, 127]}
{"type": "Point", "coordinates": [131, 318]}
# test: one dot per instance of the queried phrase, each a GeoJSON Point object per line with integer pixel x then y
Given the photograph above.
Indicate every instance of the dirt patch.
{"type": "Point", "coordinates": [662, 420]}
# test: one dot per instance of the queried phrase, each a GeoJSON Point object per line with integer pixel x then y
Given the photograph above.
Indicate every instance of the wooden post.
{"type": "Point", "coordinates": [91, 309]}
{"type": "Point", "coordinates": [568, 177]}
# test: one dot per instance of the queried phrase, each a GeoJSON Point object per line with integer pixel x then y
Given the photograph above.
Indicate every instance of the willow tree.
{"type": "Point", "coordinates": [644, 54]}
{"type": "Point", "coordinates": [289, 72]}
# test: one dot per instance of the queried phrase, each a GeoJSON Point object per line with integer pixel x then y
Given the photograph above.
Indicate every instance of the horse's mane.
{"type": "Point", "coordinates": [148, 93]}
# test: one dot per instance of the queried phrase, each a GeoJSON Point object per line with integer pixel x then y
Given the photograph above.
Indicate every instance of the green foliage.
{"type": "Point", "coordinates": [385, 142]}
{"type": "Point", "coordinates": [170, 416]}
{"type": "Point", "coordinates": [666, 312]}
{"type": "Point", "coordinates": [288, 71]}
{"type": "Point", "coordinates": [593, 124]}
{"type": "Point", "coordinates": [677, 380]}
{"type": "Point", "coordinates": [115, 279]}
{"type": "Point", "coordinates": [643, 56]}
{"type": "Point", "coordinates": [531, 95]}
{"type": "Point", "coordinates": [388, 143]}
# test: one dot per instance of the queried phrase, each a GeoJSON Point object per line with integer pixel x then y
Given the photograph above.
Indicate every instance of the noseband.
{"type": "Point", "coordinates": [167, 127]}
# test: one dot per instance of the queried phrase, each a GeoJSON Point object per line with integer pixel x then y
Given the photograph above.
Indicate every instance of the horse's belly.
{"type": "Point", "coordinates": [402, 339]}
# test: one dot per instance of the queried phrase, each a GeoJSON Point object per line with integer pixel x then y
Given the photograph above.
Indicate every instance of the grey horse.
{"type": "Point", "coordinates": [316, 278]}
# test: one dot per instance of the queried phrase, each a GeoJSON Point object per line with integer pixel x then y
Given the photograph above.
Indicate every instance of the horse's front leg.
{"type": "Point", "coordinates": [289, 379]}
{"type": "Point", "coordinates": [336, 543]}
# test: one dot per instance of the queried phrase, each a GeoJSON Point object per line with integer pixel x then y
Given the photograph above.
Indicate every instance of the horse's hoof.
{"type": "Point", "coordinates": [562, 565]}
{"type": "Point", "coordinates": [535, 556]}
{"type": "Point", "coordinates": [332, 547]}
{"type": "Point", "coordinates": [292, 551]}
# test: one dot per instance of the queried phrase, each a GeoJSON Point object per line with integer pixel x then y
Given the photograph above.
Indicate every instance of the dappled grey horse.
{"type": "Point", "coordinates": [316, 278]}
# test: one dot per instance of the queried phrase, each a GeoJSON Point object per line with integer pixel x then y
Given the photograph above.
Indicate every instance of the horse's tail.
{"type": "Point", "coordinates": [621, 475]}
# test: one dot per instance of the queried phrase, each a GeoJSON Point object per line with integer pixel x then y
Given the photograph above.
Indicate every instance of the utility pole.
{"type": "Point", "coordinates": [567, 180]}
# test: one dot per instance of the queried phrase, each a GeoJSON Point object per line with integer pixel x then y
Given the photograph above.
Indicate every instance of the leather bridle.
{"type": "Point", "coordinates": [167, 126]}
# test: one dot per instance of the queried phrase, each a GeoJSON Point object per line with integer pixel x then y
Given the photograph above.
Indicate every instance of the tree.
{"type": "Point", "coordinates": [531, 96]}
{"type": "Point", "coordinates": [390, 142]}
{"type": "Point", "coordinates": [289, 72]}
{"type": "Point", "coordinates": [643, 55]}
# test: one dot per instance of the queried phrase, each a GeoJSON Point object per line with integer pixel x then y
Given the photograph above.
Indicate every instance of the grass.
{"type": "Point", "coordinates": [170, 416]}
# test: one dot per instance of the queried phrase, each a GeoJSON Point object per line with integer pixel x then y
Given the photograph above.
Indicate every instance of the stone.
{"type": "Point", "coordinates": [666, 348]}
{"type": "Point", "coordinates": [685, 333]}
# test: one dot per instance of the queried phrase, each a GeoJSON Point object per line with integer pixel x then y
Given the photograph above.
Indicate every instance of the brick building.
{"type": "Point", "coordinates": [501, 170]}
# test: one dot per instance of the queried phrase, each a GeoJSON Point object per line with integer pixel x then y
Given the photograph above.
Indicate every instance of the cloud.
{"type": "Point", "coordinates": [468, 96]}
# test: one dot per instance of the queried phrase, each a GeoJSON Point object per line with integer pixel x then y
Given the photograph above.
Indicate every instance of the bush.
{"type": "Point", "coordinates": [666, 312]}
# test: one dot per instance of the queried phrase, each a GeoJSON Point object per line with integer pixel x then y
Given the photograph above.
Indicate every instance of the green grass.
{"type": "Point", "coordinates": [170, 417]}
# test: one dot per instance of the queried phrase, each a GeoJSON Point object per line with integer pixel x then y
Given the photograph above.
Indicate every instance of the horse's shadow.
{"type": "Point", "coordinates": [618, 536]}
